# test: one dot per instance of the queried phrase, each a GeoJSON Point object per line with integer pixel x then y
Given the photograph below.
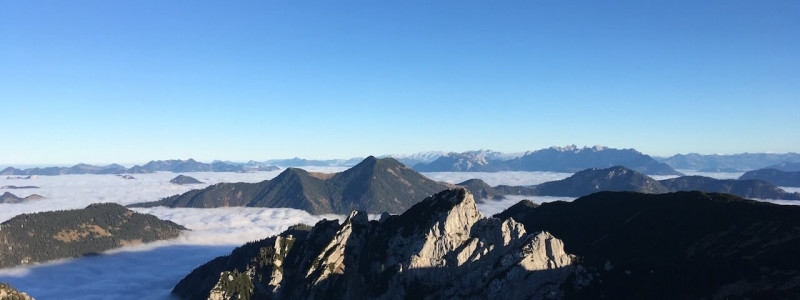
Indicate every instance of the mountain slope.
{"type": "Point", "coordinates": [686, 245]}
{"type": "Point", "coordinates": [594, 180]}
{"type": "Point", "coordinates": [374, 185]}
{"type": "Point", "coordinates": [773, 176]}
{"type": "Point", "coordinates": [39, 237]}
{"type": "Point", "coordinates": [11, 198]}
{"type": "Point", "coordinates": [440, 248]}
{"type": "Point", "coordinates": [8, 292]}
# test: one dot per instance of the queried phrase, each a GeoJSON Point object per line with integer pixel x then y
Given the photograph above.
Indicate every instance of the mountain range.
{"type": "Point", "coordinates": [609, 245]}
{"type": "Point", "coordinates": [743, 161]}
{"type": "Point", "coordinates": [623, 179]}
{"type": "Point", "coordinates": [374, 185]}
{"type": "Point", "coordinates": [439, 248]}
{"type": "Point", "coordinates": [44, 236]}
{"type": "Point", "coordinates": [173, 165]}
{"type": "Point", "coordinates": [554, 159]}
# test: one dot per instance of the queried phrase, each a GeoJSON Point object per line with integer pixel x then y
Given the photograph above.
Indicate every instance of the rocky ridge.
{"type": "Point", "coordinates": [441, 247]}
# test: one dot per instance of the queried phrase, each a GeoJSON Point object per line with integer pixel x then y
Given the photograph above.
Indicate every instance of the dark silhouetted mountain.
{"type": "Point", "coordinates": [374, 185]}
{"type": "Point", "coordinates": [743, 161]}
{"type": "Point", "coordinates": [574, 159]}
{"type": "Point", "coordinates": [720, 170]}
{"type": "Point", "coordinates": [686, 245]}
{"type": "Point", "coordinates": [183, 179]}
{"type": "Point", "coordinates": [786, 167]}
{"type": "Point", "coordinates": [462, 162]}
{"type": "Point", "coordinates": [742, 188]}
{"type": "Point", "coordinates": [44, 236]}
{"type": "Point", "coordinates": [440, 248]}
{"type": "Point", "coordinates": [8, 292]}
{"type": "Point", "coordinates": [590, 181]}
{"type": "Point", "coordinates": [482, 190]}
{"type": "Point", "coordinates": [11, 198]}
{"type": "Point", "coordinates": [773, 176]}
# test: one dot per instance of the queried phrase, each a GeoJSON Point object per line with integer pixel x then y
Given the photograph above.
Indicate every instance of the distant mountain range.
{"type": "Point", "coordinates": [774, 176]}
{"type": "Point", "coordinates": [44, 236]}
{"type": "Point", "coordinates": [554, 159]}
{"type": "Point", "coordinates": [743, 161]}
{"type": "Point", "coordinates": [609, 245]}
{"type": "Point", "coordinates": [173, 165]}
{"type": "Point", "coordinates": [11, 198]}
{"type": "Point", "coordinates": [619, 178]}
{"type": "Point", "coordinates": [440, 248]}
{"type": "Point", "coordinates": [374, 185]}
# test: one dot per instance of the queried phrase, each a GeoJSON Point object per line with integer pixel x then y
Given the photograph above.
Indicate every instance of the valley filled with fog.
{"type": "Point", "coordinates": [150, 271]}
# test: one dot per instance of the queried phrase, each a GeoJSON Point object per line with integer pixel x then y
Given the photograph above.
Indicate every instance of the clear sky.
{"type": "Point", "coordinates": [132, 81]}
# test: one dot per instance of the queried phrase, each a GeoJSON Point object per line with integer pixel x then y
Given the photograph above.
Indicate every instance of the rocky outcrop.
{"type": "Point", "coordinates": [441, 247]}
{"type": "Point", "coordinates": [8, 292]}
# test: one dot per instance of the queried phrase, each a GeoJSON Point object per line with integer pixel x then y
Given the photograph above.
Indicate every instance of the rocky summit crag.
{"type": "Point", "coordinates": [442, 247]}
{"type": "Point", "coordinates": [374, 185]}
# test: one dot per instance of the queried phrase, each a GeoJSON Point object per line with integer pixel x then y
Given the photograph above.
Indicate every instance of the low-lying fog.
{"type": "Point", "coordinates": [150, 271]}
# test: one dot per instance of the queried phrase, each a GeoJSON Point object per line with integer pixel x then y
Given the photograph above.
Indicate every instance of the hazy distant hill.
{"type": "Point", "coordinates": [11, 198]}
{"type": "Point", "coordinates": [773, 176]}
{"type": "Point", "coordinates": [183, 179]}
{"type": "Point", "coordinates": [39, 237]}
{"type": "Point", "coordinates": [553, 159]}
{"type": "Point", "coordinates": [374, 185]}
{"type": "Point", "coordinates": [594, 180]}
{"type": "Point", "coordinates": [744, 161]}
{"type": "Point", "coordinates": [786, 167]}
{"type": "Point", "coordinates": [300, 162]}
{"type": "Point", "coordinates": [686, 245]}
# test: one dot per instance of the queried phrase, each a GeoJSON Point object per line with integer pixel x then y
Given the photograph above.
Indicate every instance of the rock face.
{"type": "Point", "coordinates": [774, 176]}
{"type": "Point", "coordinates": [374, 185]}
{"type": "Point", "coordinates": [8, 292]}
{"type": "Point", "coordinates": [183, 179]}
{"type": "Point", "coordinates": [685, 245]}
{"type": "Point", "coordinates": [39, 237]}
{"type": "Point", "coordinates": [594, 180]}
{"type": "Point", "coordinates": [440, 248]}
{"type": "Point", "coordinates": [11, 198]}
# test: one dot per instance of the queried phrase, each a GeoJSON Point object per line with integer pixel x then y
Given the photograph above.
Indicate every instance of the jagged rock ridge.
{"type": "Point", "coordinates": [440, 248]}
{"type": "Point", "coordinates": [374, 185]}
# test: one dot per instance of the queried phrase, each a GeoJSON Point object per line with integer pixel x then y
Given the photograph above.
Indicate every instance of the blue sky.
{"type": "Point", "coordinates": [132, 81]}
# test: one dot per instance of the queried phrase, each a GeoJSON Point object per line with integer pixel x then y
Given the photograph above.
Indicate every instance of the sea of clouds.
{"type": "Point", "coordinates": [151, 271]}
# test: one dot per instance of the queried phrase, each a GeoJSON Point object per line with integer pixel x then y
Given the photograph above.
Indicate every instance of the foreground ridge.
{"type": "Point", "coordinates": [441, 247]}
